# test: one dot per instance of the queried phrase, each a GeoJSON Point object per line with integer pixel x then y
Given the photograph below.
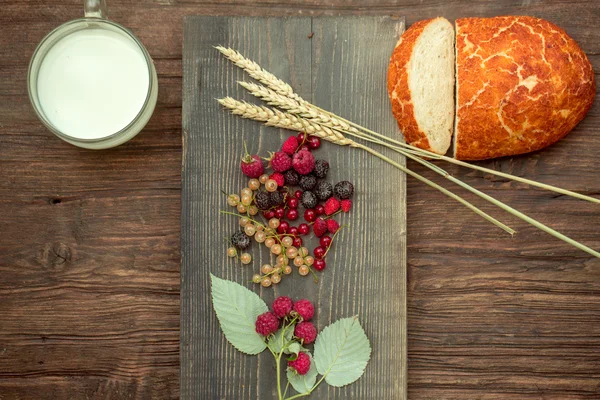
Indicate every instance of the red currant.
{"type": "Point", "coordinates": [298, 194]}
{"type": "Point", "coordinates": [293, 203]}
{"type": "Point", "coordinates": [310, 215]}
{"type": "Point", "coordinates": [293, 230]}
{"type": "Point", "coordinates": [292, 214]}
{"type": "Point", "coordinates": [319, 264]}
{"type": "Point", "coordinates": [303, 229]}
{"type": "Point", "coordinates": [304, 147]}
{"type": "Point", "coordinates": [301, 137]}
{"type": "Point", "coordinates": [297, 242]}
{"type": "Point", "coordinates": [314, 142]}
{"type": "Point", "coordinates": [325, 241]}
{"type": "Point", "coordinates": [320, 209]}
{"type": "Point", "coordinates": [283, 227]}
{"type": "Point", "coordinates": [279, 212]}
{"type": "Point", "coordinates": [269, 214]}
{"type": "Point", "coordinates": [319, 251]}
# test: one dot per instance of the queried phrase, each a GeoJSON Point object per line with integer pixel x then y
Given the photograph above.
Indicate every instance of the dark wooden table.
{"type": "Point", "coordinates": [89, 252]}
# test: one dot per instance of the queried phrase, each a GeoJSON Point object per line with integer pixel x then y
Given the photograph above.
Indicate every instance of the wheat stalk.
{"type": "Point", "coordinates": [303, 116]}
{"type": "Point", "coordinates": [285, 94]}
{"type": "Point", "coordinates": [279, 119]}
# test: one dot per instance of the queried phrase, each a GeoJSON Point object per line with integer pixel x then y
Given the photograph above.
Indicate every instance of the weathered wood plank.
{"type": "Point", "coordinates": [357, 281]}
{"type": "Point", "coordinates": [129, 198]}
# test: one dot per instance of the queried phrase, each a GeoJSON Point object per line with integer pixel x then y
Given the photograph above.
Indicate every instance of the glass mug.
{"type": "Point", "coordinates": [91, 82]}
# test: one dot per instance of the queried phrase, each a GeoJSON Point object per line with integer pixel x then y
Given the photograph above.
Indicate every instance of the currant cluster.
{"type": "Point", "coordinates": [274, 197]}
{"type": "Point", "coordinates": [291, 315]}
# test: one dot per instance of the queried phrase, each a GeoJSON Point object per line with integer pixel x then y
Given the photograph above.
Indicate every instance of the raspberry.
{"type": "Point", "coordinates": [290, 145]}
{"type": "Point", "coordinates": [252, 166]}
{"type": "Point", "coordinates": [303, 162]}
{"type": "Point", "coordinates": [343, 190]}
{"type": "Point", "coordinates": [292, 178]}
{"type": "Point", "coordinates": [282, 306]}
{"type": "Point", "coordinates": [281, 162]}
{"type": "Point", "coordinates": [278, 177]}
{"type": "Point", "coordinates": [301, 364]}
{"type": "Point", "coordinates": [309, 200]}
{"type": "Point", "coordinates": [276, 198]}
{"type": "Point", "coordinates": [240, 240]}
{"type": "Point", "coordinates": [307, 182]}
{"type": "Point", "coordinates": [320, 227]}
{"type": "Point", "coordinates": [323, 190]}
{"type": "Point", "coordinates": [262, 200]}
{"type": "Point", "coordinates": [306, 332]}
{"type": "Point", "coordinates": [321, 168]}
{"type": "Point", "coordinates": [346, 205]}
{"type": "Point", "coordinates": [332, 205]}
{"type": "Point", "coordinates": [304, 309]}
{"type": "Point", "coordinates": [332, 226]}
{"type": "Point", "coordinates": [266, 324]}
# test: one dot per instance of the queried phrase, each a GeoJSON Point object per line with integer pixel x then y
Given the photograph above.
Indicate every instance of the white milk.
{"type": "Point", "coordinates": [93, 83]}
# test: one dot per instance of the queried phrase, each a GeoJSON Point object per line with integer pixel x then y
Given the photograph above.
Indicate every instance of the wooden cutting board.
{"type": "Point", "coordinates": [340, 64]}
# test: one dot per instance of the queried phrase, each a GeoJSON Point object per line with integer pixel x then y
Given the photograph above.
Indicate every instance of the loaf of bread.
{"type": "Point", "coordinates": [522, 84]}
{"type": "Point", "coordinates": [421, 84]}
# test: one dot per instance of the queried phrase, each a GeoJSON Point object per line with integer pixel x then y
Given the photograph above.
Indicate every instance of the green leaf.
{"type": "Point", "coordinates": [237, 309]}
{"type": "Point", "coordinates": [275, 342]}
{"type": "Point", "coordinates": [294, 348]}
{"type": "Point", "coordinates": [303, 383]}
{"type": "Point", "coordinates": [342, 351]}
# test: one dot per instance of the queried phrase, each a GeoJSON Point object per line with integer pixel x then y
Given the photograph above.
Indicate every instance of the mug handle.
{"type": "Point", "coordinates": [95, 9]}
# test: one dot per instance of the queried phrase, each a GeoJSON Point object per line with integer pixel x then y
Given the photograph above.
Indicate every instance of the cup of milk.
{"type": "Point", "coordinates": [91, 82]}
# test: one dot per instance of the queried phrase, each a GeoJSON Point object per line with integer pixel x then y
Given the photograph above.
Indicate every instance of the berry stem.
{"type": "Point", "coordinates": [286, 389]}
{"type": "Point", "coordinates": [332, 238]}
{"type": "Point", "coordinates": [242, 216]}
{"type": "Point", "coordinates": [278, 365]}
{"type": "Point", "coordinates": [278, 358]}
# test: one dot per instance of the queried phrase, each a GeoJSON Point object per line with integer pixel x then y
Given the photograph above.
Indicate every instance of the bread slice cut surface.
{"type": "Point", "coordinates": [421, 84]}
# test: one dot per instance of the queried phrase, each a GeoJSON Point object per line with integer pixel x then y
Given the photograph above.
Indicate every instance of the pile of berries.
{"type": "Point", "coordinates": [284, 312]}
{"type": "Point", "coordinates": [274, 197]}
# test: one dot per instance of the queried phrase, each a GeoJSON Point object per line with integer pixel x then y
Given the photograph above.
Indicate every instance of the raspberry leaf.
{"type": "Point", "coordinates": [276, 344]}
{"type": "Point", "coordinates": [294, 348]}
{"type": "Point", "coordinates": [342, 351]}
{"type": "Point", "coordinates": [237, 308]}
{"type": "Point", "coordinates": [303, 383]}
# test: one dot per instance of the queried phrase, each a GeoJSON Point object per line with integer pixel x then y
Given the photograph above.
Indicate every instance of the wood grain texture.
{"type": "Point", "coordinates": [489, 317]}
{"type": "Point", "coordinates": [357, 281]}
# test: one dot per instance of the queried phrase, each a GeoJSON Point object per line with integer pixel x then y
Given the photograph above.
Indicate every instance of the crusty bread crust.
{"type": "Point", "coordinates": [398, 90]}
{"type": "Point", "coordinates": [523, 84]}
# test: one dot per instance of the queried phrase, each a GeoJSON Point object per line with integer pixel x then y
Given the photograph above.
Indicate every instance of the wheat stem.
{"type": "Point", "coordinates": [305, 117]}
{"type": "Point", "coordinates": [426, 153]}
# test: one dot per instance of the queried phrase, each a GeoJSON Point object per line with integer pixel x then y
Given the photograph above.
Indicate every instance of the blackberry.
{"type": "Point", "coordinates": [292, 178]}
{"type": "Point", "coordinates": [343, 190]}
{"type": "Point", "coordinates": [240, 240]}
{"type": "Point", "coordinates": [321, 168]}
{"type": "Point", "coordinates": [262, 200]}
{"type": "Point", "coordinates": [323, 190]}
{"type": "Point", "coordinates": [309, 200]}
{"type": "Point", "coordinates": [307, 182]}
{"type": "Point", "coordinates": [276, 198]}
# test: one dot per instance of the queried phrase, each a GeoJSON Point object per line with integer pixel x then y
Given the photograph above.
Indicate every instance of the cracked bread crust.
{"type": "Point", "coordinates": [522, 84]}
